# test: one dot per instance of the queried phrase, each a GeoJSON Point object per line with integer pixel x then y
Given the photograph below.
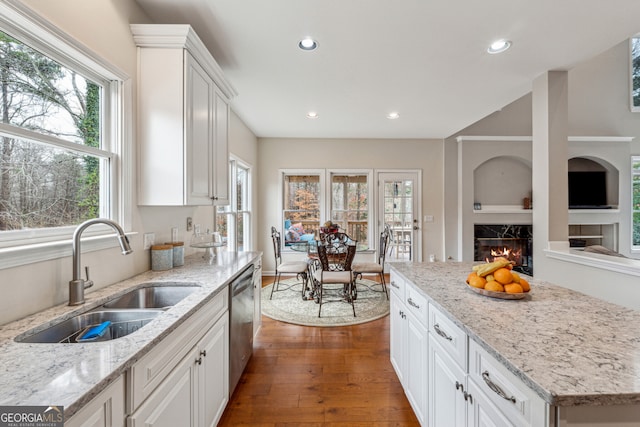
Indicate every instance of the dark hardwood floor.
{"type": "Point", "coordinates": [306, 376]}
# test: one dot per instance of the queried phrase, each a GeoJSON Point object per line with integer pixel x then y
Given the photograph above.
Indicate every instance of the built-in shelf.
{"type": "Point", "coordinates": [502, 209]}
{"type": "Point", "coordinates": [595, 236]}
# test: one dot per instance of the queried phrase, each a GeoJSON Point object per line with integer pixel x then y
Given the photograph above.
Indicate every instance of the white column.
{"type": "Point", "coordinates": [549, 172]}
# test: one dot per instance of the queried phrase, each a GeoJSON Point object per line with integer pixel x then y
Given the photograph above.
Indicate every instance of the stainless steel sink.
{"type": "Point", "coordinates": [127, 313]}
{"type": "Point", "coordinates": [153, 296]}
{"type": "Point", "coordinates": [123, 322]}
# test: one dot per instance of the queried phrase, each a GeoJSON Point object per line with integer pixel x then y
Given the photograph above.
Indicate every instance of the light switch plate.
{"type": "Point", "coordinates": [174, 234]}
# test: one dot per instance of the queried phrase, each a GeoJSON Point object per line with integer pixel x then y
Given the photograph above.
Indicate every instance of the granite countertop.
{"type": "Point", "coordinates": [572, 349]}
{"type": "Point", "coordinates": [72, 374]}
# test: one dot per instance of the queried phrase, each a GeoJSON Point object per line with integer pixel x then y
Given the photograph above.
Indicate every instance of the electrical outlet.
{"type": "Point", "coordinates": [148, 239]}
{"type": "Point", "coordinates": [174, 234]}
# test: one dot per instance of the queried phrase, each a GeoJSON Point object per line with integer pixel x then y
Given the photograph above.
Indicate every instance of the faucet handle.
{"type": "Point", "coordinates": [87, 283]}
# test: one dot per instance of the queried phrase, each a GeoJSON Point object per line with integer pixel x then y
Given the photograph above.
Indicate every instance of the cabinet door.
{"type": "Point", "coordinates": [447, 385]}
{"type": "Point", "coordinates": [199, 110]}
{"type": "Point", "coordinates": [482, 412]}
{"type": "Point", "coordinates": [104, 410]}
{"type": "Point", "coordinates": [220, 173]}
{"type": "Point", "coordinates": [398, 336]}
{"type": "Point", "coordinates": [174, 402]}
{"type": "Point", "coordinates": [213, 375]}
{"type": "Point", "coordinates": [416, 370]}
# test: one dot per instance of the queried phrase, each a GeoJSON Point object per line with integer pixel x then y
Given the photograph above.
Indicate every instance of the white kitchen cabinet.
{"type": "Point", "coordinates": [213, 373]}
{"type": "Point", "coordinates": [447, 387]}
{"type": "Point", "coordinates": [398, 334]}
{"type": "Point", "coordinates": [416, 369]}
{"type": "Point", "coordinates": [104, 410]}
{"type": "Point", "coordinates": [196, 391]}
{"type": "Point", "coordinates": [174, 402]}
{"type": "Point", "coordinates": [183, 119]}
{"type": "Point", "coordinates": [408, 346]}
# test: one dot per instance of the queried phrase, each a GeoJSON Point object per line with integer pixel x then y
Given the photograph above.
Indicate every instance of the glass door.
{"type": "Point", "coordinates": [400, 203]}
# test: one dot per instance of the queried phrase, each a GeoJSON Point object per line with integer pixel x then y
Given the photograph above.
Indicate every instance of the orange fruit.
{"type": "Point", "coordinates": [489, 277]}
{"type": "Point", "coordinates": [516, 277]}
{"type": "Point", "coordinates": [471, 275]}
{"type": "Point", "coordinates": [513, 288]}
{"type": "Point", "coordinates": [525, 285]}
{"type": "Point", "coordinates": [503, 275]}
{"type": "Point", "coordinates": [477, 282]}
{"type": "Point", "coordinates": [494, 286]}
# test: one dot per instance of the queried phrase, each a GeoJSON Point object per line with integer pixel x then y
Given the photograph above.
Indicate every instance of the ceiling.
{"type": "Point", "coordinates": [425, 59]}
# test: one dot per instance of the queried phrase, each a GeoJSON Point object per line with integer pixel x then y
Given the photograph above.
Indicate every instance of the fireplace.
{"type": "Point", "coordinates": [513, 242]}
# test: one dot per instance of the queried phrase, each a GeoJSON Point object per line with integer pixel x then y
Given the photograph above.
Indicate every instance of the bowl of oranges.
{"type": "Point", "coordinates": [498, 280]}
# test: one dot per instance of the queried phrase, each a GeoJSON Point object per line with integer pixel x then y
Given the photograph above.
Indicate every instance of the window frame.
{"type": "Point", "coordinates": [635, 248]}
{"type": "Point", "coordinates": [22, 247]}
{"type": "Point", "coordinates": [232, 208]}
{"type": "Point", "coordinates": [634, 108]}
{"type": "Point", "coordinates": [370, 195]}
{"type": "Point", "coordinates": [325, 199]}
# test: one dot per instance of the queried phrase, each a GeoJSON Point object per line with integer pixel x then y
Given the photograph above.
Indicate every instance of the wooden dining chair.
{"type": "Point", "coordinates": [333, 268]}
{"type": "Point", "coordinates": [299, 268]}
{"type": "Point", "coordinates": [361, 268]}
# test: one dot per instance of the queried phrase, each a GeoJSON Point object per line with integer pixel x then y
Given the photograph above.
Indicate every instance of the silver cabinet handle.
{"type": "Point", "coordinates": [410, 301]}
{"type": "Point", "coordinates": [496, 388]}
{"type": "Point", "coordinates": [459, 386]}
{"type": "Point", "coordinates": [394, 285]}
{"type": "Point", "coordinates": [468, 397]}
{"type": "Point", "coordinates": [442, 333]}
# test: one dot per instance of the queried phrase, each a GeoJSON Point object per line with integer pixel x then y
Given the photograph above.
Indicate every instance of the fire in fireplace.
{"type": "Point", "coordinates": [513, 242]}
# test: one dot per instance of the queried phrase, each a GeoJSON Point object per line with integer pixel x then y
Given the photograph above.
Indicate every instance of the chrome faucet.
{"type": "Point", "coordinates": [78, 285]}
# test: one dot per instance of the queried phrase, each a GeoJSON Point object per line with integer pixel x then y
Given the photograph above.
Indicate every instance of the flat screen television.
{"type": "Point", "coordinates": [587, 190]}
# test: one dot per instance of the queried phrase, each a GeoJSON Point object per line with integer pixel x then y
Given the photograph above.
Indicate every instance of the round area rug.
{"type": "Point", "coordinates": [288, 306]}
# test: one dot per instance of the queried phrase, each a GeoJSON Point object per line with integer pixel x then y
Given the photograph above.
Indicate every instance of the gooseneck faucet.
{"type": "Point", "coordinates": [78, 285]}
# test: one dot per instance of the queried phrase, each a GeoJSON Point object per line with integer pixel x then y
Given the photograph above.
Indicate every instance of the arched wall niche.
{"type": "Point", "coordinates": [502, 180]}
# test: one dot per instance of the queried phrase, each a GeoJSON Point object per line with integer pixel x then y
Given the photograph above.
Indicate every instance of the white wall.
{"type": "Point", "coordinates": [282, 153]}
{"type": "Point", "coordinates": [103, 26]}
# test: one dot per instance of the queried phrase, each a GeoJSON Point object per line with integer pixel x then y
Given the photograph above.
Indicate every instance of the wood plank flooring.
{"type": "Point", "coordinates": [330, 377]}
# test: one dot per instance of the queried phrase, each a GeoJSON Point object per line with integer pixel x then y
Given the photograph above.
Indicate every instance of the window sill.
{"type": "Point", "coordinates": [562, 252]}
{"type": "Point", "coordinates": [28, 254]}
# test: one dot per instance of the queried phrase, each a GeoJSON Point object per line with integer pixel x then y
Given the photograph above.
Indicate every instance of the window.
{"type": "Point", "coordinates": [233, 222]}
{"type": "Point", "coordinates": [635, 202]}
{"type": "Point", "coordinates": [301, 206]}
{"type": "Point", "coordinates": [635, 73]}
{"type": "Point", "coordinates": [62, 157]}
{"type": "Point", "coordinates": [350, 204]}
{"type": "Point", "coordinates": [306, 207]}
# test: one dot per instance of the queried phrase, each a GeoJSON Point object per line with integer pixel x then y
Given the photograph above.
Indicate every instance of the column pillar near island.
{"type": "Point", "coordinates": [550, 112]}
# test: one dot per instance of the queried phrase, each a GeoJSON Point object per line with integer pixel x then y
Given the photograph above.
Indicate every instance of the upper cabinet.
{"type": "Point", "coordinates": [183, 119]}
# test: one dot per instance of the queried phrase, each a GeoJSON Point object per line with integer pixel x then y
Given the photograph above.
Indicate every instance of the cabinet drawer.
{"type": "Point", "coordinates": [397, 285]}
{"type": "Point", "coordinates": [147, 374]}
{"type": "Point", "coordinates": [416, 303]}
{"type": "Point", "coordinates": [452, 338]}
{"type": "Point", "coordinates": [519, 403]}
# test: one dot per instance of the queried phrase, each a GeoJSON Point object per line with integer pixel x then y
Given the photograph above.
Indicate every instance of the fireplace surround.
{"type": "Point", "coordinates": [514, 242]}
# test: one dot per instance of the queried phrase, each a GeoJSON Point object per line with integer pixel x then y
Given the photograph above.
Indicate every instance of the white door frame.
{"type": "Point", "coordinates": [415, 174]}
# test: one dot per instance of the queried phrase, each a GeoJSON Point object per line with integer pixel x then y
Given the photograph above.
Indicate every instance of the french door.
{"type": "Point", "coordinates": [400, 200]}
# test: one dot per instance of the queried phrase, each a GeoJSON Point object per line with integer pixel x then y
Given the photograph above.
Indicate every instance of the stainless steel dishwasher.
{"type": "Point", "coordinates": [241, 325]}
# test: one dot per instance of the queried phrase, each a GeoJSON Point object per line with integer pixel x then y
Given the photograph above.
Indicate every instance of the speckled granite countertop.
{"type": "Point", "coordinates": [72, 374]}
{"type": "Point", "coordinates": [572, 349]}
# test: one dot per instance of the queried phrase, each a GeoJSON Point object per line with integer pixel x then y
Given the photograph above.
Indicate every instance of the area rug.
{"type": "Point", "coordinates": [288, 306]}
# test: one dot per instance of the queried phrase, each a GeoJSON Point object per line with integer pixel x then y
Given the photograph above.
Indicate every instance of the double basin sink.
{"type": "Point", "coordinates": [116, 318]}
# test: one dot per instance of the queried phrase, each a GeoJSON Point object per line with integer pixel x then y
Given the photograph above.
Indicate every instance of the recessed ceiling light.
{"type": "Point", "coordinates": [393, 115]}
{"type": "Point", "coordinates": [308, 43]}
{"type": "Point", "coordinates": [499, 46]}
{"type": "Point", "coordinates": [312, 115]}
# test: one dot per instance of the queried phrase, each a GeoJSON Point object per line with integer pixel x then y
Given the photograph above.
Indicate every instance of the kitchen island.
{"type": "Point", "coordinates": [579, 356]}
{"type": "Point", "coordinates": [71, 375]}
